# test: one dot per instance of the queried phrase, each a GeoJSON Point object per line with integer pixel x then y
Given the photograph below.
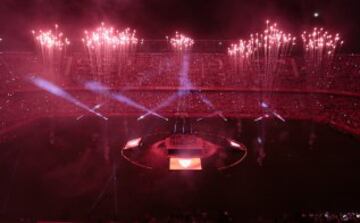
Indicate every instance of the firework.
{"type": "Point", "coordinates": [105, 37]}
{"type": "Point", "coordinates": [108, 47]}
{"type": "Point", "coordinates": [242, 49]}
{"type": "Point", "coordinates": [181, 42]}
{"type": "Point", "coordinates": [52, 44]}
{"type": "Point", "coordinates": [51, 40]}
{"type": "Point", "coordinates": [320, 46]}
{"type": "Point", "coordinates": [240, 53]}
{"type": "Point", "coordinates": [263, 51]}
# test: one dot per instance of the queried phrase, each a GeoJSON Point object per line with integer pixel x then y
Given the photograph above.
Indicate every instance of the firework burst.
{"type": "Point", "coordinates": [51, 40]}
{"type": "Point", "coordinates": [263, 50]}
{"type": "Point", "coordinates": [181, 42]}
{"type": "Point", "coordinates": [108, 48]}
{"type": "Point", "coordinates": [108, 37]}
{"type": "Point", "coordinates": [320, 46]}
{"type": "Point", "coordinates": [240, 54]}
{"type": "Point", "coordinates": [52, 44]}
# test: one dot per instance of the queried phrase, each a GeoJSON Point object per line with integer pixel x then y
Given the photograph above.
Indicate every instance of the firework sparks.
{"type": "Point", "coordinates": [51, 40]}
{"type": "Point", "coordinates": [181, 42]}
{"type": "Point", "coordinates": [320, 46]}
{"type": "Point", "coordinates": [240, 53]}
{"type": "Point", "coordinates": [52, 45]}
{"type": "Point", "coordinates": [106, 37]}
{"type": "Point", "coordinates": [267, 48]}
{"type": "Point", "coordinates": [108, 47]}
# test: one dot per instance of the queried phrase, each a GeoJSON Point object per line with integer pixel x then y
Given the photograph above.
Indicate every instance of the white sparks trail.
{"type": "Point", "coordinates": [53, 45]}
{"type": "Point", "coordinates": [108, 49]}
{"type": "Point", "coordinates": [262, 52]}
{"type": "Point", "coordinates": [320, 47]}
{"type": "Point", "coordinates": [181, 42]}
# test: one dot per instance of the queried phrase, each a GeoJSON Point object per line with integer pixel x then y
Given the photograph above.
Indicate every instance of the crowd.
{"type": "Point", "coordinates": [189, 217]}
{"type": "Point", "coordinates": [211, 70]}
{"type": "Point", "coordinates": [330, 94]}
{"type": "Point", "coordinates": [316, 217]}
{"type": "Point", "coordinates": [225, 216]}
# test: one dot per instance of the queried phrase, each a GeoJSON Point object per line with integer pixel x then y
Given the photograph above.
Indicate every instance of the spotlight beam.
{"type": "Point", "coordinates": [165, 103]}
{"type": "Point", "coordinates": [185, 83]}
{"type": "Point", "coordinates": [211, 106]}
{"type": "Point", "coordinates": [277, 115]}
{"type": "Point", "coordinates": [268, 111]}
{"type": "Point", "coordinates": [96, 107]}
{"type": "Point", "coordinates": [57, 91]}
{"type": "Point", "coordinates": [98, 88]}
{"type": "Point", "coordinates": [215, 113]}
{"type": "Point", "coordinates": [261, 118]}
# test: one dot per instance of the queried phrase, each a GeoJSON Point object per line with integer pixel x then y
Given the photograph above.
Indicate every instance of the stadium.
{"type": "Point", "coordinates": [101, 122]}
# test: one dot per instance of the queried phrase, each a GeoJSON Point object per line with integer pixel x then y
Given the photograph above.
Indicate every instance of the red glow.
{"type": "Point", "coordinates": [234, 144]}
{"type": "Point", "coordinates": [185, 164]}
{"type": "Point", "coordinates": [133, 143]}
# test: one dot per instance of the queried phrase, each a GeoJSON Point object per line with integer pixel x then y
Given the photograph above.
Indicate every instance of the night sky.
{"type": "Point", "coordinates": [153, 19]}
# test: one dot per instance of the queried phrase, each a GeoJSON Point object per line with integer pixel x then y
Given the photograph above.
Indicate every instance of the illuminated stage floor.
{"type": "Point", "coordinates": [64, 169]}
